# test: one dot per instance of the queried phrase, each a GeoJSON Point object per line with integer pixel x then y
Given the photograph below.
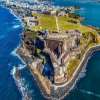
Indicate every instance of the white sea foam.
{"type": "Point", "coordinates": [15, 54]}
{"type": "Point", "coordinates": [16, 26]}
{"type": "Point", "coordinates": [82, 74]}
{"type": "Point", "coordinates": [11, 11]}
{"type": "Point", "coordinates": [89, 93]}
{"type": "Point", "coordinates": [21, 67]}
{"type": "Point", "coordinates": [22, 86]}
{"type": "Point", "coordinates": [20, 82]}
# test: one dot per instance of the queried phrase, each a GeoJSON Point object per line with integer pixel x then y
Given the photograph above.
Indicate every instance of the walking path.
{"type": "Point", "coordinates": [85, 58]}
{"type": "Point", "coordinates": [57, 23]}
{"type": "Point", "coordinates": [57, 36]}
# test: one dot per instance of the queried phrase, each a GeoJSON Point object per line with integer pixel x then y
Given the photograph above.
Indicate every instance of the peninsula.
{"type": "Point", "coordinates": [55, 46]}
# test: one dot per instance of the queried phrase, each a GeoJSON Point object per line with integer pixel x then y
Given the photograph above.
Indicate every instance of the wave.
{"type": "Point", "coordinates": [82, 74]}
{"type": "Point", "coordinates": [21, 66]}
{"type": "Point", "coordinates": [11, 11]}
{"type": "Point", "coordinates": [22, 86]}
{"type": "Point", "coordinates": [89, 93]}
{"type": "Point", "coordinates": [17, 55]}
{"type": "Point", "coordinates": [16, 26]}
{"type": "Point", "coordinates": [20, 82]}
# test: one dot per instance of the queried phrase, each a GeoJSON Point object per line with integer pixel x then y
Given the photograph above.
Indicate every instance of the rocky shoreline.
{"type": "Point", "coordinates": [62, 89]}
{"type": "Point", "coordinates": [65, 89]}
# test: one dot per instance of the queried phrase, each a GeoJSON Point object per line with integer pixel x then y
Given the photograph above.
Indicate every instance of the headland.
{"type": "Point", "coordinates": [55, 46]}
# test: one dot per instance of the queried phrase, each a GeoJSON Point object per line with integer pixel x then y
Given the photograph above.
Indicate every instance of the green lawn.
{"type": "Point", "coordinates": [73, 64]}
{"type": "Point", "coordinates": [64, 24]}
{"type": "Point", "coordinates": [45, 22]}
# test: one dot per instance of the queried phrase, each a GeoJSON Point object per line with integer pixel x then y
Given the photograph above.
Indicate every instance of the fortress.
{"type": "Point", "coordinates": [61, 47]}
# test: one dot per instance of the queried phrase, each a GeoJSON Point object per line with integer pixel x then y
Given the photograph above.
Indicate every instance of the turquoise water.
{"type": "Point", "coordinates": [89, 10]}
{"type": "Point", "coordinates": [87, 88]}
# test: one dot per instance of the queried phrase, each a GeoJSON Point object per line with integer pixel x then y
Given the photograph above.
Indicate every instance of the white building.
{"type": "Point", "coordinates": [31, 21]}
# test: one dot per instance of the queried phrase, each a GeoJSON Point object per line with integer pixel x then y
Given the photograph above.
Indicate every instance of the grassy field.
{"type": "Point", "coordinates": [45, 22]}
{"type": "Point", "coordinates": [73, 64]}
{"type": "Point", "coordinates": [64, 23]}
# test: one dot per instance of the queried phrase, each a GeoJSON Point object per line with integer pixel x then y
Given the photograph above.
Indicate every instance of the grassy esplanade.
{"type": "Point", "coordinates": [63, 23]}
{"type": "Point", "coordinates": [45, 22]}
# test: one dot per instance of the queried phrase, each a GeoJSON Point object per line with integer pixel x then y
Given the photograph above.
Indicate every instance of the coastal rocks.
{"type": "Point", "coordinates": [17, 73]}
{"type": "Point", "coordinates": [20, 83]}
{"type": "Point", "coordinates": [57, 91]}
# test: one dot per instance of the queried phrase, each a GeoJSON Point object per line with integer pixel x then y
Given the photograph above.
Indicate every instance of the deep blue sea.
{"type": "Point", "coordinates": [87, 88]}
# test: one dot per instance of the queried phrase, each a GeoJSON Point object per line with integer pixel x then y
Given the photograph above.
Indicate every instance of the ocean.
{"type": "Point", "coordinates": [87, 88]}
